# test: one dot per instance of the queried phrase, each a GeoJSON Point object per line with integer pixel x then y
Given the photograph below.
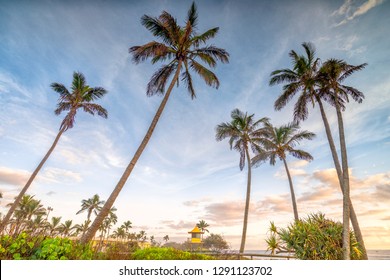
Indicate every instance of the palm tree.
{"type": "Point", "coordinates": [66, 228]}
{"type": "Point", "coordinates": [332, 73]}
{"type": "Point", "coordinates": [54, 226]}
{"type": "Point", "coordinates": [181, 46]}
{"type": "Point", "coordinates": [243, 132]}
{"type": "Point", "coordinates": [304, 78]}
{"type": "Point", "coordinates": [202, 225]}
{"type": "Point", "coordinates": [81, 97]}
{"type": "Point", "coordinates": [279, 142]}
{"type": "Point", "coordinates": [91, 205]}
{"type": "Point", "coordinates": [166, 238]}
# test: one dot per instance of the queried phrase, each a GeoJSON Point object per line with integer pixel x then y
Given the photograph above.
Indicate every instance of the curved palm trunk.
{"type": "Point", "coordinates": [346, 195]}
{"type": "Point", "coordinates": [107, 206]}
{"type": "Point", "coordinates": [30, 180]}
{"type": "Point", "coordinates": [248, 197]}
{"type": "Point", "coordinates": [353, 216]}
{"type": "Point", "coordinates": [294, 202]}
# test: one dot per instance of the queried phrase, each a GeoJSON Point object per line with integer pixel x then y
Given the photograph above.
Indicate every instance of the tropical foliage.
{"type": "Point", "coordinates": [313, 238]}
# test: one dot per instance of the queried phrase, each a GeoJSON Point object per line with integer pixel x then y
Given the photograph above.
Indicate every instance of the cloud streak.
{"type": "Point", "coordinates": [348, 8]}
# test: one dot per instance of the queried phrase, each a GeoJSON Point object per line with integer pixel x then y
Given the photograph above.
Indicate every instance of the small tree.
{"type": "Point", "coordinates": [215, 242]}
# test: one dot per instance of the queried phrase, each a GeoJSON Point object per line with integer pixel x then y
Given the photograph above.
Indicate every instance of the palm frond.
{"type": "Point", "coordinates": [209, 77]}
{"type": "Point", "coordinates": [93, 109]}
{"type": "Point", "coordinates": [155, 50]}
{"type": "Point", "coordinates": [95, 93]}
{"type": "Point", "coordinates": [60, 88]}
{"type": "Point", "coordinates": [78, 81]}
{"type": "Point", "coordinates": [159, 28]}
{"type": "Point", "coordinates": [282, 76]}
{"type": "Point", "coordinates": [186, 77]}
{"type": "Point", "coordinates": [62, 106]}
{"type": "Point", "coordinates": [216, 53]}
{"type": "Point", "coordinates": [301, 155]}
{"type": "Point", "coordinates": [159, 79]}
{"type": "Point", "coordinates": [192, 15]}
{"type": "Point", "coordinates": [289, 91]}
{"type": "Point", "coordinates": [202, 38]}
{"type": "Point", "coordinates": [352, 69]}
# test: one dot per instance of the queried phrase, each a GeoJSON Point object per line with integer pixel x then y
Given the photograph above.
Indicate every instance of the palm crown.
{"type": "Point", "coordinates": [301, 78]}
{"type": "Point", "coordinates": [81, 96]}
{"type": "Point", "coordinates": [180, 45]}
{"type": "Point", "coordinates": [279, 141]}
{"type": "Point", "coordinates": [331, 74]}
{"type": "Point", "coordinates": [243, 131]}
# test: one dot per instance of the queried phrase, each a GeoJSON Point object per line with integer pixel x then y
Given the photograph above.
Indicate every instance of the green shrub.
{"type": "Point", "coordinates": [313, 238]}
{"type": "Point", "coordinates": [62, 249]}
{"type": "Point", "coordinates": [26, 247]}
{"type": "Point", "coordinates": [167, 254]}
{"type": "Point", "coordinates": [20, 247]}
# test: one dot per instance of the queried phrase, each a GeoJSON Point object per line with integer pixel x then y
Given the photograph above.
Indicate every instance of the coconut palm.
{"type": "Point", "coordinates": [181, 46]}
{"type": "Point", "coordinates": [166, 238]}
{"type": "Point", "coordinates": [202, 225]}
{"type": "Point", "coordinates": [54, 226]}
{"type": "Point", "coordinates": [66, 228]}
{"type": "Point", "coordinates": [304, 79]}
{"type": "Point", "coordinates": [243, 133]}
{"type": "Point", "coordinates": [332, 73]}
{"type": "Point", "coordinates": [91, 205]}
{"type": "Point", "coordinates": [80, 97]}
{"type": "Point", "coordinates": [278, 143]}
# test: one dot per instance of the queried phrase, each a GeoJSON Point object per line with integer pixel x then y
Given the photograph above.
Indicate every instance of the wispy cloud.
{"type": "Point", "coordinates": [350, 12]}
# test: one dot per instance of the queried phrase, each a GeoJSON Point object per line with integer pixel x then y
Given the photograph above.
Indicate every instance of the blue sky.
{"type": "Point", "coordinates": [184, 174]}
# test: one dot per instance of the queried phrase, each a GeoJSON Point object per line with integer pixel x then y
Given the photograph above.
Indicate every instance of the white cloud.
{"type": "Point", "coordinates": [13, 177]}
{"type": "Point", "coordinates": [351, 12]}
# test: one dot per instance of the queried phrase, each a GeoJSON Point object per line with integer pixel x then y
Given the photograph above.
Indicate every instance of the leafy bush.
{"type": "Point", "coordinates": [62, 249]}
{"type": "Point", "coordinates": [20, 247]}
{"type": "Point", "coordinates": [314, 238]}
{"type": "Point", "coordinates": [26, 247]}
{"type": "Point", "coordinates": [167, 254]}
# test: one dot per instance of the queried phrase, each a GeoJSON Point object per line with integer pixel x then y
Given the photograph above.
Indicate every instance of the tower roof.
{"type": "Point", "coordinates": [196, 230]}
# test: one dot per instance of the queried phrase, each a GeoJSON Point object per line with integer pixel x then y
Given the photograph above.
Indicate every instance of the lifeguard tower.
{"type": "Point", "coordinates": [196, 239]}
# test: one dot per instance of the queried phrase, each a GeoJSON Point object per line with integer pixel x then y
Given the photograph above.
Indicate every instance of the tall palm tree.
{"type": "Point", "coordinates": [304, 79]}
{"type": "Point", "coordinates": [332, 73]}
{"type": "Point", "coordinates": [181, 47]}
{"type": "Point", "coordinates": [91, 205]}
{"type": "Point", "coordinates": [81, 96]}
{"type": "Point", "coordinates": [279, 142]}
{"type": "Point", "coordinates": [243, 133]}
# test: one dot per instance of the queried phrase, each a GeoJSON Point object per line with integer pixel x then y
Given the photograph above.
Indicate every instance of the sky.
{"type": "Point", "coordinates": [185, 175]}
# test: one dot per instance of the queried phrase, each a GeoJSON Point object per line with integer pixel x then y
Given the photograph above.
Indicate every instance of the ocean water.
{"type": "Point", "coordinates": [372, 254]}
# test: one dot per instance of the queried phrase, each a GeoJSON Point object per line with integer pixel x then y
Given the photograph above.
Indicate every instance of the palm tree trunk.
{"type": "Point", "coordinates": [248, 197]}
{"type": "Point", "coordinates": [294, 202]}
{"type": "Point", "coordinates": [30, 180]}
{"type": "Point", "coordinates": [346, 194]}
{"type": "Point", "coordinates": [110, 201]}
{"type": "Point", "coordinates": [353, 216]}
